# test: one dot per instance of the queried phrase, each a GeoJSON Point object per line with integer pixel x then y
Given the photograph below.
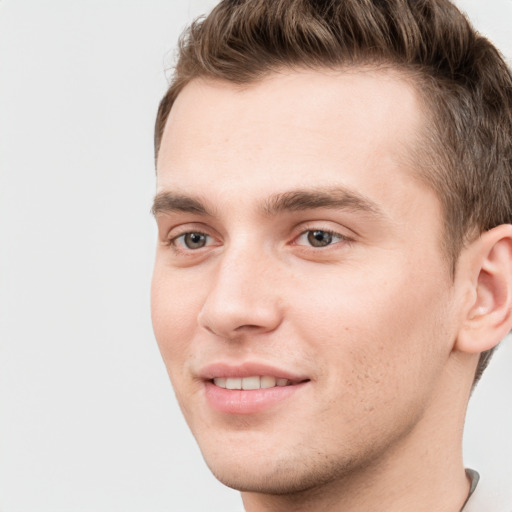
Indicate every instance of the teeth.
{"type": "Point", "coordinates": [232, 383]}
{"type": "Point", "coordinates": [250, 382]}
{"type": "Point", "coordinates": [220, 382]}
{"type": "Point", "coordinates": [267, 382]}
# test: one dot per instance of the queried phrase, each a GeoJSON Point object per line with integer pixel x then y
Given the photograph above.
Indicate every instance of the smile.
{"type": "Point", "coordinates": [249, 387]}
{"type": "Point", "coordinates": [250, 383]}
{"type": "Point", "coordinates": [251, 394]}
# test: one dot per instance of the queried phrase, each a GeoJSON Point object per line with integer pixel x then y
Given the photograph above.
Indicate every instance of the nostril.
{"type": "Point", "coordinates": [247, 328]}
{"type": "Point", "coordinates": [228, 318]}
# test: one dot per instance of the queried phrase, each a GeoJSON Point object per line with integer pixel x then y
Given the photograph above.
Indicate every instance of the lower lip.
{"type": "Point", "coordinates": [240, 401]}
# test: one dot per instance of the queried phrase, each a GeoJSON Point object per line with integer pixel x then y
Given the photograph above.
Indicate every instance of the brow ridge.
{"type": "Point", "coordinates": [289, 201]}
{"type": "Point", "coordinates": [166, 202]}
{"type": "Point", "coordinates": [337, 198]}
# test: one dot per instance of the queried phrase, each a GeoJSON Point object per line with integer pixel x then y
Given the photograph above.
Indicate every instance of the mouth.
{"type": "Point", "coordinates": [249, 388]}
{"type": "Point", "coordinates": [253, 382]}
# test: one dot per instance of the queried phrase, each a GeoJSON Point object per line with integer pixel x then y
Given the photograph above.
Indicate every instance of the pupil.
{"type": "Point", "coordinates": [319, 238]}
{"type": "Point", "coordinates": [195, 240]}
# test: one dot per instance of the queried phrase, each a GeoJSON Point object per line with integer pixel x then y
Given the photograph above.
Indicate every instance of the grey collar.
{"type": "Point", "coordinates": [474, 477]}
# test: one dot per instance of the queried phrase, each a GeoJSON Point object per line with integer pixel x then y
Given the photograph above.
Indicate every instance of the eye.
{"type": "Point", "coordinates": [192, 240]}
{"type": "Point", "coordinates": [319, 238]}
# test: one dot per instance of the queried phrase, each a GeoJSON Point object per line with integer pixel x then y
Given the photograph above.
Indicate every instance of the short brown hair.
{"type": "Point", "coordinates": [463, 80]}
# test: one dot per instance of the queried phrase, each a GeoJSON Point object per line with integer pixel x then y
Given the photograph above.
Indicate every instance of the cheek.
{"type": "Point", "coordinates": [174, 314]}
{"type": "Point", "coordinates": [378, 337]}
{"type": "Point", "coordinates": [378, 356]}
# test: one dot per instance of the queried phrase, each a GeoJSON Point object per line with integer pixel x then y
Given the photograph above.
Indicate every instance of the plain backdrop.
{"type": "Point", "coordinates": [88, 419]}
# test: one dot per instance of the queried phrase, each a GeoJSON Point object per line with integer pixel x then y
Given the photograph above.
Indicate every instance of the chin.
{"type": "Point", "coordinates": [272, 483]}
{"type": "Point", "coordinates": [291, 473]}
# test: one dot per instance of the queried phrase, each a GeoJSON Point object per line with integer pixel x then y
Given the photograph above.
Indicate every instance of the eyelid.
{"type": "Point", "coordinates": [337, 238]}
{"type": "Point", "coordinates": [173, 224]}
{"type": "Point", "coordinates": [303, 229]}
{"type": "Point", "coordinates": [173, 235]}
{"type": "Point", "coordinates": [174, 240]}
{"type": "Point", "coordinates": [178, 230]}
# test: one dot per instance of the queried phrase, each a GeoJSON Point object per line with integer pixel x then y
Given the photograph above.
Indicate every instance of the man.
{"type": "Point", "coordinates": [334, 264]}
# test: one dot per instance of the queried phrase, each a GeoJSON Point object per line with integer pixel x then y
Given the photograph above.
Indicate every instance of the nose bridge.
{"type": "Point", "coordinates": [242, 295]}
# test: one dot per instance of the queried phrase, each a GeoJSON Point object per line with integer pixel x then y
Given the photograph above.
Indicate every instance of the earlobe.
{"type": "Point", "coordinates": [489, 317]}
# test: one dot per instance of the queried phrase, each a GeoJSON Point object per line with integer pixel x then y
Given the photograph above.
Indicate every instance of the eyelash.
{"type": "Point", "coordinates": [181, 249]}
{"type": "Point", "coordinates": [331, 233]}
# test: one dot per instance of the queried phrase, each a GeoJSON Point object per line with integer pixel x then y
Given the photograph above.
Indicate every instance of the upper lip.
{"type": "Point", "coordinates": [247, 369]}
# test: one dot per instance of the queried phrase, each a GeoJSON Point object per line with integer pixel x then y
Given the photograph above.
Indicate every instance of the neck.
{"type": "Point", "coordinates": [423, 471]}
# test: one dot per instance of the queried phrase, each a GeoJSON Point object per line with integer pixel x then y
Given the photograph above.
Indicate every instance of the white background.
{"type": "Point", "coordinates": [88, 421]}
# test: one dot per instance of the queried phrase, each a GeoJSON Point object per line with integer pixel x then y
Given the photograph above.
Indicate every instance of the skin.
{"type": "Point", "coordinates": [372, 319]}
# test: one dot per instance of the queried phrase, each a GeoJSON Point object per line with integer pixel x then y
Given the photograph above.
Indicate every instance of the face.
{"type": "Point", "coordinates": [298, 259]}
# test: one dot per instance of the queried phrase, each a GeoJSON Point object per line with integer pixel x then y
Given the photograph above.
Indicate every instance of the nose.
{"type": "Point", "coordinates": [243, 297]}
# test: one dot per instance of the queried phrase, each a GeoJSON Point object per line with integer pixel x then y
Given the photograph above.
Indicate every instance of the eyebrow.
{"type": "Point", "coordinates": [167, 202]}
{"type": "Point", "coordinates": [339, 198]}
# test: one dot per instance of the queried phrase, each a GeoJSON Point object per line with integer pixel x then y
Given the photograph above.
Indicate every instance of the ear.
{"type": "Point", "coordinates": [488, 317]}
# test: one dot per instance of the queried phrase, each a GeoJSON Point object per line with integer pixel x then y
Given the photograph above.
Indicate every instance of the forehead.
{"type": "Point", "coordinates": [309, 128]}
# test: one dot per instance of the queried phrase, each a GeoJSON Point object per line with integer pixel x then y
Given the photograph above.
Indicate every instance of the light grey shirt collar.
{"type": "Point", "coordinates": [473, 477]}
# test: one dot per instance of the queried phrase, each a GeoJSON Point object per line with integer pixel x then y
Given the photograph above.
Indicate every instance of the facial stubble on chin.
{"type": "Point", "coordinates": [307, 473]}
